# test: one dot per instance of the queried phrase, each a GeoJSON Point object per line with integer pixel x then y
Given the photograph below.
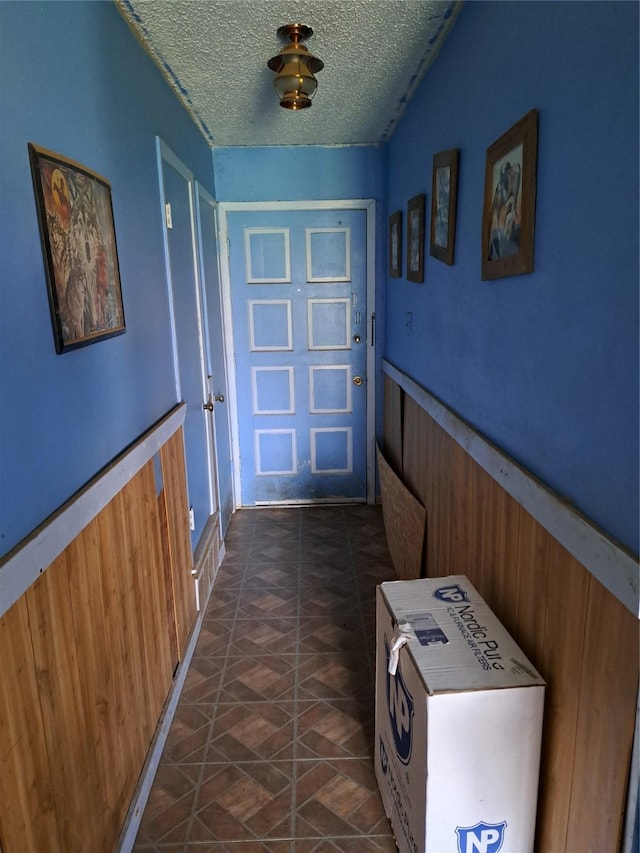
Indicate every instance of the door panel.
{"type": "Point", "coordinates": [298, 294]}
{"type": "Point", "coordinates": [188, 341]}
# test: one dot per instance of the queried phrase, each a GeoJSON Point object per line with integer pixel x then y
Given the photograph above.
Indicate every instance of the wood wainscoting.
{"type": "Point", "coordinates": [579, 635]}
{"type": "Point", "coordinates": [88, 651]}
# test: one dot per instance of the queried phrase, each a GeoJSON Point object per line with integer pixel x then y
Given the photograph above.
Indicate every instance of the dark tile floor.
{"type": "Point", "coordinates": [271, 745]}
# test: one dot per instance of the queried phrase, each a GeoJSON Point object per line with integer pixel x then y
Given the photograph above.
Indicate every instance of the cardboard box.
{"type": "Point", "coordinates": [459, 725]}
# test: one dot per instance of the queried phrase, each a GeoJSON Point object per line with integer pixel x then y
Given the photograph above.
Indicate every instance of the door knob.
{"type": "Point", "coordinates": [356, 339]}
{"type": "Point", "coordinates": [208, 406]}
{"type": "Point", "coordinates": [357, 380]}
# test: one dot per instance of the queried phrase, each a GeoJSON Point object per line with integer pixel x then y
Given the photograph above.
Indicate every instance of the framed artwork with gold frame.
{"type": "Point", "coordinates": [395, 244]}
{"type": "Point", "coordinates": [77, 233]}
{"type": "Point", "coordinates": [510, 201]}
{"type": "Point", "coordinates": [444, 195]}
{"type": "Point", "coordinates": [415, 238]}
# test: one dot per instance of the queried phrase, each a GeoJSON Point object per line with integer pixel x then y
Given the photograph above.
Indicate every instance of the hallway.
{"type": "Point", "coordinates": [271, 744]}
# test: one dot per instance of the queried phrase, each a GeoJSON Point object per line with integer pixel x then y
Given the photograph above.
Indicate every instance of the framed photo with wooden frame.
{"type": "Point", "coordinates": [508, 216]}
{"type": "Point", "coordinates": [415, 238]}
{"type": "Point", "coordinates": [77, 233]}
{"type": "Point", "coordinates": [395, 244]}
{"type": "Point", "coordinates": [444, 195]}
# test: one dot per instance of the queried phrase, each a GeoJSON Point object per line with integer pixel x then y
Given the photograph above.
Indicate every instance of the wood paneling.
{"type": "Point", "coordinates": [67, 711]}
{"type": "Point", "coordinates": [86, 668]}
{"type": "Point", "coordinates": [144, 564]}
{"type": "Point", "coordinates": [561, 664]}
{"type": "Point", "coordinates": [415, 477]}
{"type": "Point", "coordinates": [392, 429]}
{"type": "Point", "coordinates": [581, 638]}
{"type": "Point", "coordinates": [180, 555]}
{"type": "Point", "coordinates": [404, 521]}
{"type": "Point", "coordinates": [532, 570]}
{"type": "Point", "coordinates": [27, 812]}
{"type": "Point", "coordinates": [168, 577]}
{"type": "Point", "coordinates": [122, 625]}
{"type": "Point", "coordinates": [493, 563]}
{"type": "Point", "coordinates": [604, 732]}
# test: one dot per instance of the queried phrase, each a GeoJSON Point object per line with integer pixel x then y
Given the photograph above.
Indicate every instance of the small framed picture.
{"type": "Point", "coordinates": [510, 201]}
{"type": "Point", "coordinates": [415, 238]}
{"type": "Point", "coordinates": [444, 195]}
{"type": "Point", "coordinates": [395, 244]}
{"type": "Point", "coordinates": [75, 216]}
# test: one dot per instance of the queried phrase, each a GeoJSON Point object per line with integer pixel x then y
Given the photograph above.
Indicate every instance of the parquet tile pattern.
{"type": "Point", "coordinates": [270, 750]}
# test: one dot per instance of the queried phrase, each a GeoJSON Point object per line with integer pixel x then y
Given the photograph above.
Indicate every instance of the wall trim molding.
{"type": "Point", "coordinates": [613, 566]}
{"type": "Point", "coordinates": [22, 566]}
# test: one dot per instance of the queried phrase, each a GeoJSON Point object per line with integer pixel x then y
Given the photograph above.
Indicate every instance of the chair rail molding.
{"type": "Point", "coordinates": [23, 565]}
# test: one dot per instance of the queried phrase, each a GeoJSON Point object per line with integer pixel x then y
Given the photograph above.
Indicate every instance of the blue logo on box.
{"type": "Point", "coordinates": [451, 594]}
{"type": "Point", "coordinates": [481, 838]}
{"type": "Point", "coordinates": [384, 758]}
{"type": "Point", "coordinates": [400, 705]}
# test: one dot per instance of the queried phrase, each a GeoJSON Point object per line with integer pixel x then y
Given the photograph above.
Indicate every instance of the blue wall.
{"type": "Point", "coordinates": [75, 80]}
{"type": "Point", "coordinates": [295, 173]}
{"type": "Point", "coordinates": [546, 364]}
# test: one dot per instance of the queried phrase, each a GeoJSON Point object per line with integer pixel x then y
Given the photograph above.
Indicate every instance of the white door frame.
{"type": "Point", "coordinates": [369, 207]}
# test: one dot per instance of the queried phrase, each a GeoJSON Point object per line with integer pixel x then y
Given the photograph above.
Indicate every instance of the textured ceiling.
{"type": "Point", "coordinates": [214, 53]}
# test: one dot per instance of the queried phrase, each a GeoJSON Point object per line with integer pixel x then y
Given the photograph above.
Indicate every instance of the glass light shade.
{"type": "Point", "coordinates": [294, 83]}
{"type": "Point", "coordinates": [295, 67]}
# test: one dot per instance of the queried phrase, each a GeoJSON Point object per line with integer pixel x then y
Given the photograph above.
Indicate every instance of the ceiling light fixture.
{"type": "Point", "coordinates": [295, 68]}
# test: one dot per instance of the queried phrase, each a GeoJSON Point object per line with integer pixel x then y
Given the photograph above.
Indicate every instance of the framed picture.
{"type": "Point", "coordinates": [395, 244]}
{"type": "Point", "coordinates": [78, 239]}
{"type": "Point", "coordinates": [444, 195]}
{"type": "Point", "coordinates": [415, 239]}
{"type": "Point", "coordinates": [510, 201]}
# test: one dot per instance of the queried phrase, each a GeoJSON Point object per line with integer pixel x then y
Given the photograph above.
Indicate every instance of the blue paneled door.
{"type": "Point", "coordinates": [298, 294]}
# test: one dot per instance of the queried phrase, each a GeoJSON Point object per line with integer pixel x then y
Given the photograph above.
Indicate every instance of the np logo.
{"type": "Point", "coordinates": [481, 838]}
{"type": "Point", "coordinates": [384, 758]}
{"type": "Point", "coordinates": [400, 704]}
{"type": "Point", "coordinates": [453, 593]}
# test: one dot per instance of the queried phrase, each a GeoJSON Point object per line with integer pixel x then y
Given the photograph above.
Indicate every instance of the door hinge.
{"type": "Point", "coordinates": [373, 329]}
{"type": "Point", "coordinates": [167, 215]}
